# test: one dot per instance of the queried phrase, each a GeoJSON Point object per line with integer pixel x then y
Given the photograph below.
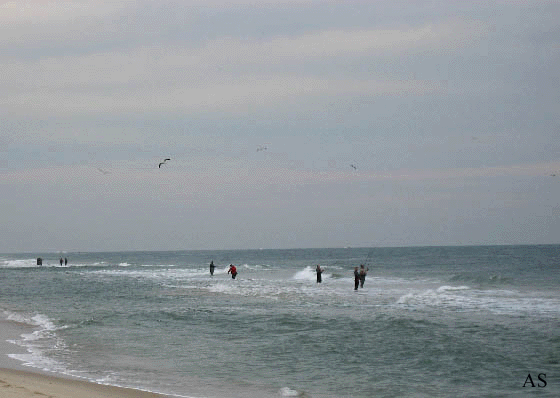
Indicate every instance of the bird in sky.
{"type": "Point", "coordinates": [103, 171]}
{"type": "Point", "coordinates": [164, 161]}
{"type": "Point", "coordinates": [262, 148]}
{"type": "Point", "coordinates": [354, 167]}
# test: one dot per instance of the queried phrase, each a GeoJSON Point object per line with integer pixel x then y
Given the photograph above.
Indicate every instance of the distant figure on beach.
{"type": "Point", "coordinates": [319, 271]}
{"type": "Point", "coordinates": [356, 278]}
{"type": "Point", "coordinates": [39, 261]}
{"type": "Point", "coordinates": [61, 261]}
{"type": "Point", "coordinates": [233, 271]}
{"type": "Point", "coordinates": [363, 273]}
{"type": "Point", "coordinates": [65, 261]}
{"type": "Point", "coordinates": [212, 268]}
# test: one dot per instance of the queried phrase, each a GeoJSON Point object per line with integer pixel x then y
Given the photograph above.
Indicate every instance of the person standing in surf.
{"type": "Point", "coordinates": [212, 268]}
{"type": "Point", "coordinates": [233, 271]}
{"type": "Point", "coordinates": [65, 261]}
{"type": "Point", "coordinates": [356, 278]}
{"type": "Point", "coordinates": [319, 271]}
{"type": "Point", "coordinates": [363, 273]}
{"type": "Point", "coordinates": [61, 261]}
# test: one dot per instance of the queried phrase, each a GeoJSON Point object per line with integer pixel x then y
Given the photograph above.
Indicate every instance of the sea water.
{"type": "Point", "coordinates": [429, 321]}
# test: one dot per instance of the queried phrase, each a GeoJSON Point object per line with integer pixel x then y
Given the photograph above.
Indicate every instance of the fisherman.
{"type": "Point", "coordinates": [212, 268]}
{"type": "Point", "coordinates": [319, 271]}
{"type": "Point", "coordinates": [356, 278]}
{"type": "Point", "coordinates": [363, 273]}
{"type": "Point", "coordinates": [233, 271]}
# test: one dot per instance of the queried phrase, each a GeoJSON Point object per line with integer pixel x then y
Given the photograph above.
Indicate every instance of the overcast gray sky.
{"type": "Point", "coordinates": [450, 110]}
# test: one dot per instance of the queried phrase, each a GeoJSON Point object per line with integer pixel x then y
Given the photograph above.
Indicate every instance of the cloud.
{"type": "Point", "coordinates": [83, 26]}
{"type": "Point", "coordinates": [217, 75]}
{"type": "Point", "coordinates": [239, 96]}
{"type": "Point", "coordinates": [452, 34]}
{"type": "Point", "coordinates": [37, 16]}
{"type": "Point", "coordinates": [520, 170]}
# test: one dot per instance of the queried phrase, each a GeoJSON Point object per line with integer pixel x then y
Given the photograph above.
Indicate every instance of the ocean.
{"type": "Point", "coordinates": [471, 321]}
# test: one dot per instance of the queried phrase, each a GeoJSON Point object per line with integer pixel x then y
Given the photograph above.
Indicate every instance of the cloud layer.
{"type": "Point", "coordinates": [450, 110]}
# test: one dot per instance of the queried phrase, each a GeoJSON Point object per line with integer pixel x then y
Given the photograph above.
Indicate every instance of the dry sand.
{"type": "Point", "coordinates": [22, 384]}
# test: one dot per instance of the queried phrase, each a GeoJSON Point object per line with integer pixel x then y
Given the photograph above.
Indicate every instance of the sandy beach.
{"type": "Point", "coordinates": [22, 384]}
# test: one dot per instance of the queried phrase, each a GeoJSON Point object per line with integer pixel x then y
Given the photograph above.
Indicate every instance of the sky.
{"type": "Point", "coordinates": [448, 109]}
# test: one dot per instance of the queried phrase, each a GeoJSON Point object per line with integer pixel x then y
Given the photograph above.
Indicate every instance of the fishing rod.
{"type": "Point", "coordinates": [368, 258]}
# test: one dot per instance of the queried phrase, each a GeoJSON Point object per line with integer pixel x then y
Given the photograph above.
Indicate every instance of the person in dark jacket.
{"type": "Point", "coordinates": [363, 273]}
{"type": "Point", "coordinates": [319, 271]}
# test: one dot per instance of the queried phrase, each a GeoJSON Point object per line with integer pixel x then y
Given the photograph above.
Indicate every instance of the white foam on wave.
{"type": "Point", "coordinates": [54, 263]}
{"type": "Point", "coordinates": [223, 288]}
{"type": "Point", "coordinates": [151, 274]}
{"type": "Point", "coordinates": [288, 392]}
{"type": "Point", "coordinates": [309, 274]}
{"type": "Point", "coordinates": [219, 270]}
{"type": "Point", "coordinates": [443, 289]}
{"type": "Point", "coordinates": [462, 298]}
{"type": "Point", "coordinates": [248, 289]}
{"type": "Point", "coordinates": [294, 291]}
{"type": "Point", "coordinates": [37, 342]}
{"type": "Point", "coordinates": [256, 267]}
{"type": "Point", "coordinates": [21, 263]}
{"type": "Point", "coordinates": [155, 265]}
{"type": "Point", "coordinates": [42, 321]}
{"type": "Point", "coordinates": [444, 296]}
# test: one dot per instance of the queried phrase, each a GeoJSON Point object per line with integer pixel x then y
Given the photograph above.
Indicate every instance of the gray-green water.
{"type": "Point", "coordinates": [429, 322]}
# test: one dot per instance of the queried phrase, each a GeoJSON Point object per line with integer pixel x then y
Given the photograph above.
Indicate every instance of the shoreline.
{"type": "Point", "coordinates": [25, 384]}
{"type": "Point", "coordinates": [20, 381]}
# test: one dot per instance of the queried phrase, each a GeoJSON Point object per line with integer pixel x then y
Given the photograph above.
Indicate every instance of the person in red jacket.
{"type": "Point", "coordinates": [233, 271]}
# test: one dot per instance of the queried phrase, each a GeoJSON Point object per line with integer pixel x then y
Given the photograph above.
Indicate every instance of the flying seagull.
{"type": "Point", "coordinates": [103, 171]}
{"type": "Point", "coordinates": [262, 148]}
{"type": "Point", "coordinates": [164, 161]}
{"type": "Point", "coordinates": [354, 167]}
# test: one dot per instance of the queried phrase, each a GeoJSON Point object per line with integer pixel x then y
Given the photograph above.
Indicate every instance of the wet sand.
{"type": "Point", "coordinates": [23, 384]}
